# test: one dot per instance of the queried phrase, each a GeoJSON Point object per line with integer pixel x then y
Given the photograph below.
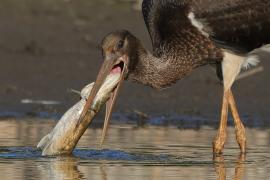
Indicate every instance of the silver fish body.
{"type": "Point", "coordinates": [66, 134]}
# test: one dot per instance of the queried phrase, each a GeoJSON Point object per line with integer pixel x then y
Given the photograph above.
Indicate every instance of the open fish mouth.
{"type": "Point", "coordinates": [68, 131]}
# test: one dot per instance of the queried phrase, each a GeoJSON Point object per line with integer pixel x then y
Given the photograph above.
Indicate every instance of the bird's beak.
{"type": "Point", "coordinates": [111, 64]}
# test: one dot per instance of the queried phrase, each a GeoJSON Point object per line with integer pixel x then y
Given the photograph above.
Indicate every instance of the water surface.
{"type": "Point", "coordinates": [47, 63]}
{"type": "Point", "coordinates": [131, 152]}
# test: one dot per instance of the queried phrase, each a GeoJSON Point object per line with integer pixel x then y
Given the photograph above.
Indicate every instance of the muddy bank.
{"type": "Point", "coordinates": [50, 46]}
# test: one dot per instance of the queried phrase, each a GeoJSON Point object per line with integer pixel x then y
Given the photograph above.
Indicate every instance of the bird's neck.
{"type": "Point", "coordinates": [153, 71]}
{"type": "Point", "coordinates": [164, 68]}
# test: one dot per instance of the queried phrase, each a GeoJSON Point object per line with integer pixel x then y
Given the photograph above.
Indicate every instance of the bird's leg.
{"type": "Point", "coordinates": [218, 144]}
{"type": "Point", "coordinates": [239, 127]}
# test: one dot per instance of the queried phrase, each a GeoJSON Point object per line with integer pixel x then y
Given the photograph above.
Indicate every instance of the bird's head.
{"type": "Point", "coordinates": [119, 56]}
{"type": "Point", "coordinates": [119, 49]}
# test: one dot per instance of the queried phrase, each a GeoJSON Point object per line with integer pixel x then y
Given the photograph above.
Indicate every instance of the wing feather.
{"type": "Point", "coordinates": [237, 25]}
{"type": "Point", "coordinates": [165, 20]}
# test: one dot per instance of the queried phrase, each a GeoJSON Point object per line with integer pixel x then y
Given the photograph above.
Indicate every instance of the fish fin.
{"type": "Point", "coordinates": [44, 141]}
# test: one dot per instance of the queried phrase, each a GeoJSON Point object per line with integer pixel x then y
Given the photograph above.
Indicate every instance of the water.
{"type": "Point", "coordinates": [131, 152]}
{"type": "Point", "coordinates": [158, 150]}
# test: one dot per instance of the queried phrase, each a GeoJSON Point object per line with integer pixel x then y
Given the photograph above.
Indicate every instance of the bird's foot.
{"type": "Point", "coordinates": [241, 137]}
{"type": "Point", "coordinates": [218, 143]}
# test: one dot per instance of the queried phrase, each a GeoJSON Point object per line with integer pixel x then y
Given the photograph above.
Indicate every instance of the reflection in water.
{"type": "Point", "coordinates": [61, 168]}
{"type": "Point", "coordinates": [240, 165]}
{"type": "Point", "coordinates": [132, 152]}
{"type": "Point", "coordinates": [103, 172]}
{"type": "Point", "coordinates": [221, 169]}
{"type": "Point", "coordinates": [67, 168]}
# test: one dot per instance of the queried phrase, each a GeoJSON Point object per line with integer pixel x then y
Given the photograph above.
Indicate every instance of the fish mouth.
{"type": "Point", "coordinates": [112, 65]}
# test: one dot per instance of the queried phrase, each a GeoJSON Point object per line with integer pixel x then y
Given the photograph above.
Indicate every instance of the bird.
{"type": "Point", "coordinates": [185, 35]}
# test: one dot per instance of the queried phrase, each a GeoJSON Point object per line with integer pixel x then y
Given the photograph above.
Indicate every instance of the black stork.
{"type": "Point", "coordinates": [187, 34]}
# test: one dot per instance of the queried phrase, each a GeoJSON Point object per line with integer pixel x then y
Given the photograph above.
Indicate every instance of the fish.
{"type": "Point", "coordinates": [65, 135]}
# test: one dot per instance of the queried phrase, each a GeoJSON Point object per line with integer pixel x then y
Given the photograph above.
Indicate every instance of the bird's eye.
{"type": "Point", "coordinates": [120, 44]}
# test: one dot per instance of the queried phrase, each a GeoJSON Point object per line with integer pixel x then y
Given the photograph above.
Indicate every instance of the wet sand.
{"type": "Point", "coordinates": [50, 46]}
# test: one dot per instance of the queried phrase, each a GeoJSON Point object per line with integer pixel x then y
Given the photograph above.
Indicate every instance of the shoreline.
{"type": "Point", "coordinates": [39, 62]}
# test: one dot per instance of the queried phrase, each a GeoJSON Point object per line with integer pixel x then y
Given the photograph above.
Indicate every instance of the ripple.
{"type": "Point", "coordinates": [111, 156]}
{"type": "Point", "coordinates": [19, 153]}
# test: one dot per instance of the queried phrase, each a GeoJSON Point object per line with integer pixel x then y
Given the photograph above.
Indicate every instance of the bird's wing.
{"type": "Point", "coordinates": [172, 31]}
{"type": "Point", "coordinates": [237, 25]}
{"type": "Point", "coordinates": [165, 20]}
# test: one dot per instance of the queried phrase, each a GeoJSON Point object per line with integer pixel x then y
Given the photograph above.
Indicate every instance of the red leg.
{"type": "Point", "coordinates": [239, 127]}
{"type": "Point", "coordinates": [219, 141]}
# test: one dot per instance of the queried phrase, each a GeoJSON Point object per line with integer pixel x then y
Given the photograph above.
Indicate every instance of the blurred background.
{"type": "Point", "coordinates": [48, 47]}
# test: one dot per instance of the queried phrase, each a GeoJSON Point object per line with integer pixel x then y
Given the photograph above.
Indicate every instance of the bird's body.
{"type": "Point", "coordinates": [237, 25]}
{"type": "Point", "coordinates": [187, 34]}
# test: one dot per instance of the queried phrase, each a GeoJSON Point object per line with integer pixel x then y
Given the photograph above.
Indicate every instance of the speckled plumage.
{"type": "Point", "coordinates": [179, 47]}
{"type": "Point", "coordinates": [238, 25]}
{"type": "Point", "coordinates": [187, 34]}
